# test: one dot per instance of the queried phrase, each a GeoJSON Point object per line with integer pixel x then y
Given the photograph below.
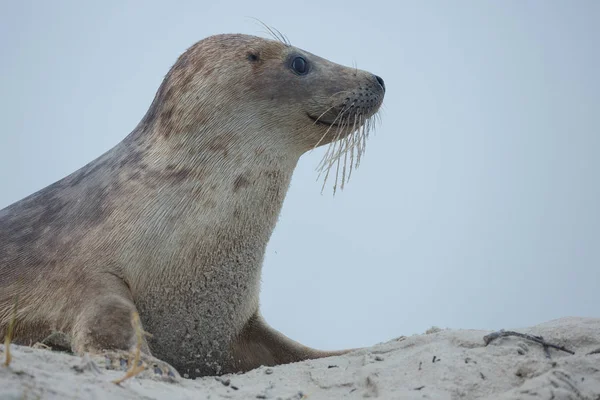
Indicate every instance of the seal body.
{"type": "Point", "coordinates": [173, 222]}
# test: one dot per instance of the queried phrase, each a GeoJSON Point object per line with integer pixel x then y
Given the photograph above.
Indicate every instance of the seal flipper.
{"type": "Point", "coordinates": [259, 344]}
{"type": "Point", "coordinates": [105, 330]}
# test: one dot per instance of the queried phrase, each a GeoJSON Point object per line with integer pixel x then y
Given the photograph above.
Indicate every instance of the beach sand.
{"type": "Point", "coordinates": [440, 364]}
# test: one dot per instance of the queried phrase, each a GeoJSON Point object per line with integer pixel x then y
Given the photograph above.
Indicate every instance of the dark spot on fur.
{"type": "Point", "coordinates": [208, 71]}
{"type": "Point", "coordinates": [272, 175]}
{"type": "Point", "coordinates": [179, 146]}
{"type": "Point", "coordinates": [171, 174]}
{"type": "Point", "coordinates": [209, 203]}
{"type": "Point", "coordinates": [165, 121]}
{"type": "Point", "coordinates": [188, 65]}
{"type": "Point", "coordinates": [168, 95]}
{"type": "Point", "coordinates": [219, 144]}
{"type": "Point", "coordinates": [187, 80]}
{"type": "Point", "coordinates": [166, 116]}
{"type": "Point", "coordinates": [240, 182]}
{"type": "Point", "coordinates": [182, 60]}
{"type": "Point", "coordinates": [177, 81]}
{"type": "Point", "coordinates": [134, 176]}
{"type": "Point", "coordinates": [132, 159]}
{"type": "Point", "coordinates": [75, 178]}
{"type": "Point", "coordinates": [180, 174]}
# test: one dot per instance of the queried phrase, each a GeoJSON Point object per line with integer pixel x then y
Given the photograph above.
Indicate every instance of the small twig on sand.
{"type": "Point", "coordinates": [547, 351]}
{"type": "Point", "coordinates": [597, 351]}
{"type": "Point", "coordinates": [538, 339]}
{"type": "Point", "coordinates": [9, 334]}
{"type": "Point", "coordinates": [135, 369]}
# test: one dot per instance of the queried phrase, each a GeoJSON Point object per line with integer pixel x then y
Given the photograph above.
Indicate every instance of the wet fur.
{"type": "Point", "coordinates": [173, 221]}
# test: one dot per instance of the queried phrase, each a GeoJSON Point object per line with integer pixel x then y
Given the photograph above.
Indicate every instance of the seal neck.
{"type": "Point", "coordinates": [207, 202]}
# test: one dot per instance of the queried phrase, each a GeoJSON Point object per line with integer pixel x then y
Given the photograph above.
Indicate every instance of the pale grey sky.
{"type": "Point", "coordinates": [476, 205]}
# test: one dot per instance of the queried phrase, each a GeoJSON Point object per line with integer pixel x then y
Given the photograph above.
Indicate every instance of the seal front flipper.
{"type": "Point", "coordinates": [259, 344]}
{"type": "Point", "coordinates": [105, 330]}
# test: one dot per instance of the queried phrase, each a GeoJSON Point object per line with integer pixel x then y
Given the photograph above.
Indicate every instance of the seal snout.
{"type": "Point", "coordinates": [380, 81]}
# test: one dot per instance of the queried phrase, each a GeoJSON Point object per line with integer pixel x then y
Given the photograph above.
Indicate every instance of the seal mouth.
{"type": "Point", "coordinates": [321, 121]}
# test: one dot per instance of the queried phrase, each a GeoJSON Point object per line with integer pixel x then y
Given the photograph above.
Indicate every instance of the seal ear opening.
{"type": "Point", "coordinates": [253, 57]}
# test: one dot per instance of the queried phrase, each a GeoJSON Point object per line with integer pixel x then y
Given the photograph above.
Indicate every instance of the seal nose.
{"type": "Point", "coordinates": [380, 80]}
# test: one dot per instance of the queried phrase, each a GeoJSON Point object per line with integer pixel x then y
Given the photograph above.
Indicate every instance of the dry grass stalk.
{"type": "Point", "coordinates": [9, 334]}
{"type": "Point", "coordinates": [134, 368]}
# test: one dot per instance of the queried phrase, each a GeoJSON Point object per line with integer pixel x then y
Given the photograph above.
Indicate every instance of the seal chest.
{"type": "Point", "coordinates": [173, 222]}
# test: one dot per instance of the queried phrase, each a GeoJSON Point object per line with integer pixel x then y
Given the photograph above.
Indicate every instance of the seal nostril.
{"type": "Point", "coordinates": [380, 82]}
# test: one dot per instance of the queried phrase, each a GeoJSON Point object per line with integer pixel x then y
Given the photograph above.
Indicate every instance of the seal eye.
{"type": "Point", "coordinates": [299, 65]}
{"type": "Point", "coordinates": [253, 57]}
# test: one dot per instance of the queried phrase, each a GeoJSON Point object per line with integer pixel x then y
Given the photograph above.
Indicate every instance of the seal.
{"type": "Point", "coordinates": [172, 223]}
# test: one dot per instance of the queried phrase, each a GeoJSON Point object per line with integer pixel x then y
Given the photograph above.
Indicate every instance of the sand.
{"type": "Point", "coordinates": [439, 364]}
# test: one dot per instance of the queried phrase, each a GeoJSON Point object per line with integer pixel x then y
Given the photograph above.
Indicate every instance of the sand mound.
{"type": "Point", "coordinates": [440, 364]}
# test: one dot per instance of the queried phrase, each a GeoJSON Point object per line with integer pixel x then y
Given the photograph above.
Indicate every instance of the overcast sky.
{"type": "Point", "coordinates": [477, 202]}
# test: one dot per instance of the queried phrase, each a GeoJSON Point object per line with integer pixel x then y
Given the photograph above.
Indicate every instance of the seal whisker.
{"type": "Point", "coordinates": [325, 158]}
{"type": "Point", "coordinates": [335, 151]}
{"type": "Point", "coordinates": [282, 37]}
{"type": "Point", "coordinates": [274, 32]}
{"type": "Point", "coordinates": [340, 117]}
{"type": "Point", "coordinates": [330, 125]}
{"type": "Point", "coordinates": [329, 157]}
{"type": "Point", "coordinates": [346, 143]}
{"type": "Point", "coordinates": [377, 117]}
{"type": "Point", "coordinates": [323, 137]}
{"type": "Point", "coordinates": [337, 155]}
{"type": "Point", "coordinates": [347, 147]}
{"type": "Point", "coordinates": [357, 138]}
{"type": "Point", "coordinates": [321, 116]}
{"type": "Point", "coordinates": [355, 65]}
{"type": "Point", "coordinates": [353, 145]}
{"type": "Point", "coordinates": [363, 140]}
{"type": "Point", "coordinates": [330, 108]}
{"type": "Point", "coordinates": [332, 144]}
